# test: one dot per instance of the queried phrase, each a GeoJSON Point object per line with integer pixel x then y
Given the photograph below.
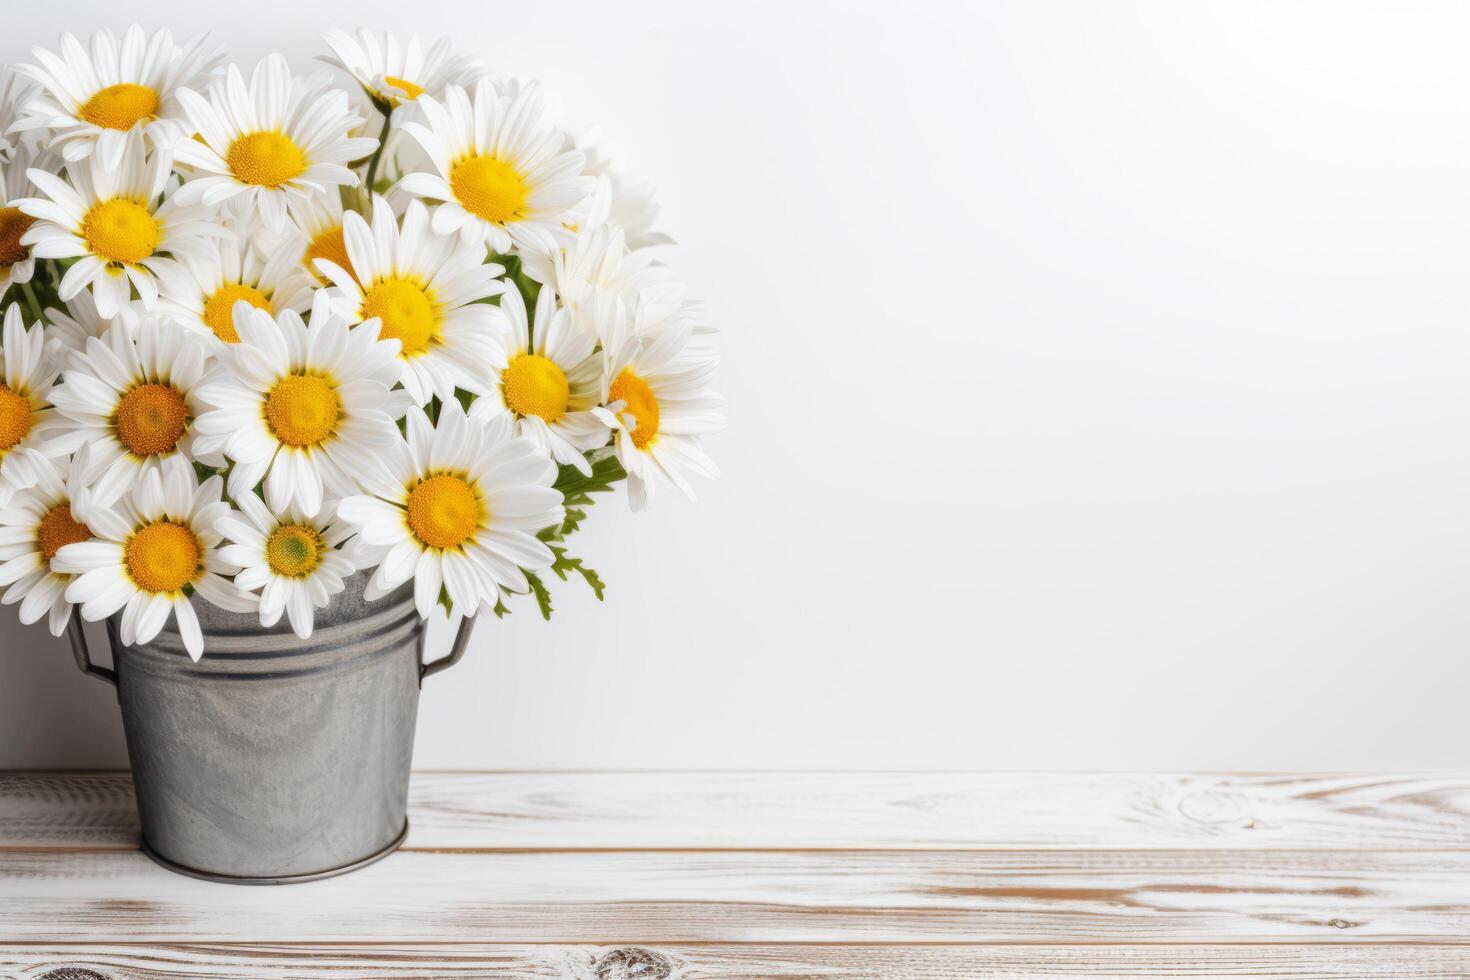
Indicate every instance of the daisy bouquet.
{"type": "Point", "coordinates": [264, 331]}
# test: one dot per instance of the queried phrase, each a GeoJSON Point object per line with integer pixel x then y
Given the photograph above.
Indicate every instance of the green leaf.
{"type": "Point", "coordinates": [606, 471]}
{"type": "Point", "coordinates": [501, 610]}
{"type": "Point", "coordinates": [202, 472]}
{"type": "Point", "coordinates": [577, 490]}
{"type": "Point", "coordinates": [543, 595]}
{"type": "Point", "coordinates": [565, 564]}
{"type": "Point", "coordinates": [574, 519]}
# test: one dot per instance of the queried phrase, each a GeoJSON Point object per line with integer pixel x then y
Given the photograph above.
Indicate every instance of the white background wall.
{"type": "Point", "coordinates": [1098, 377]}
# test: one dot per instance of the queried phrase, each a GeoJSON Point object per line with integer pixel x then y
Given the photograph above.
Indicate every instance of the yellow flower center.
{"type": "Point", "coordinates": [151, 419]}
{"type": "Point", "coordinates": [534, 385]}
{"type": "Point", "coordinates": [121, 106]}
{"type": "Point", "coordinates": [407, 313]}
{"type": "Point", "coordinates": [443, 511]}
{"type": "Point", "coordinates": [121, 230]}
{"type": "Point", "coordinates": [409, 89]}
{"type": "Point", "coordinates": [162, 557]}
{"type": "Point", "coordinates": [15, 417]}
{"type": "Point", "coordinates": [640, 403]}
{"type": "Point", "coordinates": [266, 159]}
{"type": "Point", "coordinates": [331, 246]}
{"type": "Point", "coordinates": [294, 550]}
{"type": "Point", "coordinates": [489, 188]}
{"type": "Point", "coordinates": [59, 529]}
{"type": "Point", "coordinates": [219, 308]}
{"type": "Point", "coordinates": [302, 409]}
{"type": "Point", "coordinates": [13, 224]}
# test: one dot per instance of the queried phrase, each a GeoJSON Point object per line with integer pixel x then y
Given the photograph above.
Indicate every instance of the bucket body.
{"type": "Point", "coordinates": [275, 758]}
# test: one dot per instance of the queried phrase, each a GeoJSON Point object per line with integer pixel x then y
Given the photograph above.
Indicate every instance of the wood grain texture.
{"type": "Point", "coordinates": [720, 962]}
{"type": "Point", "coordinates": [686, 876]}
{"type": "Point", "coordinates": [754, 896]}
{"type": "Point", "coordinates": [941, 811]}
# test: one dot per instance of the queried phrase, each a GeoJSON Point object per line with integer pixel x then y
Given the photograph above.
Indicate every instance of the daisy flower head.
{"type": "Point", "coordinates": [131, 396]}
{"type": "Point", "coordinates": [151, 553]}
{"type": "Point", "coordinates": [17, 264]}
{"type": "Point", "coordinates": [37, 524]}
{"type": "Point", "coordinates": [13, 91]}
{"type": "Point", "coordinates": [630, 204]}
{"type": "Point", "coordinates": [297, 562]}
{"type": "Point", "coordinates": [201, 290]}
{"type": "Point", "coordinates": [110, 221]}
{"type": "Point", "coordinates": [459, 508]}
{"type": "Point", "coordinates": [392, 74]}
{"type": "Point", "coordinates": [26, 415]}
{"type": "Point", "coordinates": [548, 379]}
{"type": "Point", "coordinates": [504, 174]}
{"type": "Point", "coordinates": [88, 101]}
{"type": "Point", "coordinates": [308, 411]}
{"type": "Point", "coordinates": [269, 144]}
{"type": "Point", "coordinates": [425, 290]}
{"type": "Point", "coordinates": [68, 329]}
{"type": "Point", "coordinates": [597, 268]}
{"type": "Point", "coordinates": [316, 233]}
{"type": "Point", "coordinates": [656, 395]}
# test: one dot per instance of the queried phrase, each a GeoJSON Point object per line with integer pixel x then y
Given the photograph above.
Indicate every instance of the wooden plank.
{"type": "Point", "coordinates": [773, 896]}
{"type": "Point", "coordinates": [719, 962]}
{"type": "Point", "coordinates": [943, 811]}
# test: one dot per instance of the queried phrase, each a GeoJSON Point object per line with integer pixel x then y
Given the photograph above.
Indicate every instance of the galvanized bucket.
{"type": "Point", "coordinates": [274, 759]}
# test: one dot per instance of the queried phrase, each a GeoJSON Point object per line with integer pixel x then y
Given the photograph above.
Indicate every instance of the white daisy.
{"type": "Point", "coordinates": [26, 416]}
{"type": "Point", "coordinates": [426, 290]}
{"type": "Point", "coordinates": [597, 267]}
{"type": "Point", "coordinates": [392, 74]}
{"type": "Point", "coordinates": [504, 174]}
{"type": "Point", "coordinates": [68, 330]}
{"type": "Point", "coordinates": [131, 396]}
{"type": "Point", "coordinates": [91, 101]}
{"type": "Point", "coordinates": [109, 219]}
{"type": "Point", "coordinates": [152, 552]}
{"type": "Point", "coordinates": [548, 380]}
{"type": "Point", "coordinates": [269, 144]}
{"type": "Point", "coordinates": [460, 508]}
{"type": "Point", "coordinates": [315, 232]}
{"type": "Point", "coordinates": [656, 394]}
{"type": "Point", "coordinates": [14, 90]}
{"type": "Point", "coordinates": [630, 204]}
{"type": "Point", "coordinates": [307, 411]}
{"type": "Point", "coordinates": [36, 525]}
{"type": "Point", "coordinates": [17, 264]}
{"type": "Point", "coordinates": [202, 290]}
{"type": "Point", "coordinates": [663, 305]}
{"type": "Point", "coordinates": [297, 562]}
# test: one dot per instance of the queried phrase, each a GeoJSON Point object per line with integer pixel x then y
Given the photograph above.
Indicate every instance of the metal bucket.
{"type": "Point", "coordinates": [274, 759]}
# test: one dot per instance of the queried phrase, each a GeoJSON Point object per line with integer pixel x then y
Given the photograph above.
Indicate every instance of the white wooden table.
{"type": "Point", "coordinates": [644, 876]}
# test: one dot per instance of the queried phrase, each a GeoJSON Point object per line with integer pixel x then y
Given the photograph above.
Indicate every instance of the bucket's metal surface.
{"type": "Point", "coordinates": [274, 758]}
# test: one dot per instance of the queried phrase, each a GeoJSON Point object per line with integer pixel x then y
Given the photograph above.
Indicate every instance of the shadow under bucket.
{"type": "Point", "coordinates": [274, 759]}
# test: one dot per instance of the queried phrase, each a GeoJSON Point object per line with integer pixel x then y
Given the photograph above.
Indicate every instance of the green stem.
{"type": "Point", "coordinates": [32, 302]}
{"type": "Point", "coordinates": [372, 173]}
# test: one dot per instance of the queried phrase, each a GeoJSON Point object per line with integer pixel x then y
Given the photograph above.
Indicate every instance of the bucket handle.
{"type": "Point", "coordinates": [82, 655]}
{"type": "Point", "coordinates": [461, 642]}
{"type": "Point", "coordinates": [78, 639]}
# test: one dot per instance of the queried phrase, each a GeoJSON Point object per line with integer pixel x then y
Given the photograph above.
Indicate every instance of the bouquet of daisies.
{"type": "Point", "coordinates": [265, 331]}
